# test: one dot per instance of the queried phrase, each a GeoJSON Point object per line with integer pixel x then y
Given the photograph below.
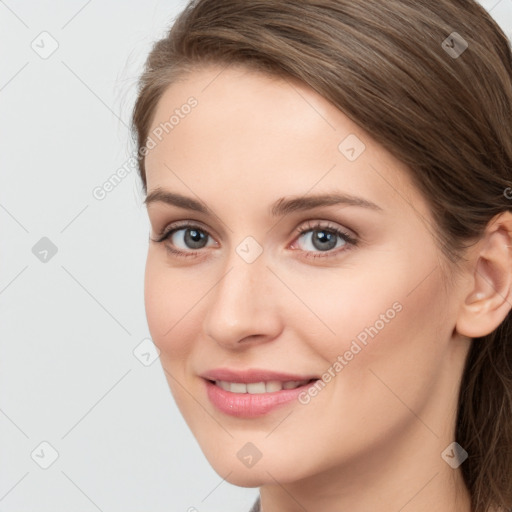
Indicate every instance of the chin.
{"type": "Point", "coordinates": [246, 478]}
{"type": "Point", "coordinates": [266, 471]}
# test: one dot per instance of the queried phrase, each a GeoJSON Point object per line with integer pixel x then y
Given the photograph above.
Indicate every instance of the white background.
{"type": "Point", "coordinates": [69, 326]}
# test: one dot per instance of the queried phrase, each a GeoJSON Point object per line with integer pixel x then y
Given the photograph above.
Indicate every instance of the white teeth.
{"type": "Point", "coordinates": [238, 387]}
{"type": "Point", "coordinates": [223, 384]}
{"type": "Point", "coordinates": [273, 385]}
{"type": "Point", "coordinates": [256, 388]}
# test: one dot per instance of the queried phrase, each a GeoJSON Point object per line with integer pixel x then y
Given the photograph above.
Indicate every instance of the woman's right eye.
{"type": "Point", "coordinates": [184, 239]}
{"type": "Point", "coordinates": [190, 237]}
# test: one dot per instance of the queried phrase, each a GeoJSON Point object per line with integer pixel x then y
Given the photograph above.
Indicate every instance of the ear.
{"type": "Point", "coordinates": [490, 298]}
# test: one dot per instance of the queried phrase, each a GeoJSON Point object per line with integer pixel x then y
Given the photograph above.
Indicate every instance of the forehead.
{"type": "Point", "coordinates": [238, 130]}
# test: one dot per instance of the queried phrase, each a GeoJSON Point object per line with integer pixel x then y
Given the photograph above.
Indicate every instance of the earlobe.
{"type": "Point", "coordinates": [490, 299]}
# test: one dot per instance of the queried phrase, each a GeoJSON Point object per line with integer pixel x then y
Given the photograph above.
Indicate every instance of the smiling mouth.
{"type": "Point", "coordinates": [257, 388]}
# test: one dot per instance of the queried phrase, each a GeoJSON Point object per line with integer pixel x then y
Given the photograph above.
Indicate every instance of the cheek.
{"type": "Point", "coordinates": [393, 343]}
{"type": "Point", "coordinates": [396, 321]}
{"type": "Point", "coordinates": [169, 296]}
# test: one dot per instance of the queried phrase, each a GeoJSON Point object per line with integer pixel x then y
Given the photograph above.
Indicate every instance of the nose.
{"type": "Point", "coordinates": [243, 307]}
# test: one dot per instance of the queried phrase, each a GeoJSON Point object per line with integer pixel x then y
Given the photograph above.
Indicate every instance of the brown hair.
{"type": "Point", "coordinates": [387, 65]}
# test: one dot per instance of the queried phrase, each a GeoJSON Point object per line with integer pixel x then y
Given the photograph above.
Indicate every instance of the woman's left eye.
{"type": "Point", "coordinates": [325, 238]}
{"type": "Point", "coordinates": [320, 240]}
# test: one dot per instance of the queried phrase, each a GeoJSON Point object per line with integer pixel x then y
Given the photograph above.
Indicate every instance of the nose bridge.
{"type": "Point", "coordinates": [240, 305]}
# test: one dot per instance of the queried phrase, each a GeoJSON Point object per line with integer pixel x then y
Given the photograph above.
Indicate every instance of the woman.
{"type": "Point", "coordinates": [329, 272]}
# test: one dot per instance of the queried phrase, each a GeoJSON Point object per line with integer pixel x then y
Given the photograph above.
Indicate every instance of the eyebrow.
{"type": "Point", "coordinates": [281, 207]}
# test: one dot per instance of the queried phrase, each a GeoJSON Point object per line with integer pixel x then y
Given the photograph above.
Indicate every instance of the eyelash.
{"type": "Point", "coordinates": [350, 241]}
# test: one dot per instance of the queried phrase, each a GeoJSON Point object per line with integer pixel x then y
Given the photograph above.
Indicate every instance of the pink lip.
{"type": "Point", "coordinates": [246, 405]}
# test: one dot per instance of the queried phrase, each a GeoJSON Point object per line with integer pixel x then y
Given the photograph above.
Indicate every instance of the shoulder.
{"type": "Point", "coordinates": [256, 506]}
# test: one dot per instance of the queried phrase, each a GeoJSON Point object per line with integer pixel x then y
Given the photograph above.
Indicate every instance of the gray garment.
{"type": "Point", "coordinates": [256, 507]}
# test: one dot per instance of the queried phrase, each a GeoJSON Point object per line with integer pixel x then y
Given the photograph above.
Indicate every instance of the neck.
{"type": "Point", "coordinates": [408, 475]}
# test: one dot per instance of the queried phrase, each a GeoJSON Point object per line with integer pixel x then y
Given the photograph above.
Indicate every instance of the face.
{"type": "Point", "coordinates": [299, 272]}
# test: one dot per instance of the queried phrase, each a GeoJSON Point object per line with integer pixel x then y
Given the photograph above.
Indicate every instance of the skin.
{"type": "Point", "coordinates": [372, 438]}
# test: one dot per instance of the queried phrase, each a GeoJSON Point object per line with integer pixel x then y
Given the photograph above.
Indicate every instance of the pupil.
{"type": "Point", "coordinates": [323, 237]}
{"type": "Point", "coordinates": [194, 238]}
{"type": "Point", "coordinates": [195, 234]}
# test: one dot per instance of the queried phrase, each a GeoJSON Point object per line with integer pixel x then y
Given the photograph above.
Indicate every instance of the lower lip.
{"type": "Point", "coordinates": [247, 405]}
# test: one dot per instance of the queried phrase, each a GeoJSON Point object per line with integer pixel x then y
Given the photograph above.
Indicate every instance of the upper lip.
{"type": "Point", "coordinates": [252, 375]}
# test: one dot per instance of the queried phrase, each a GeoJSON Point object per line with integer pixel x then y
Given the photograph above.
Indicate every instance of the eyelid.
{"type": "Point", "coordinates": [176, 226]}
